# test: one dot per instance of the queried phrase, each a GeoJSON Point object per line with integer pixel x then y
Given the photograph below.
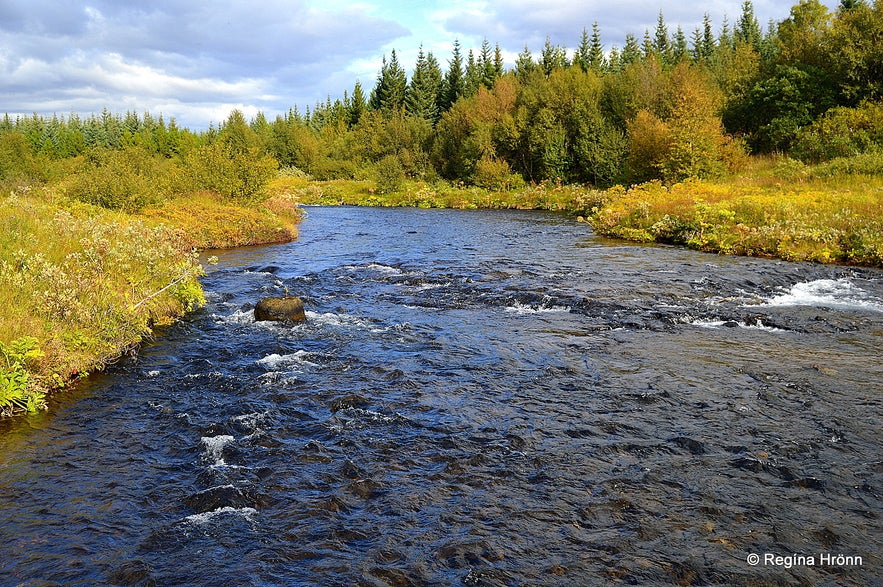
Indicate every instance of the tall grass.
{"type": "Point", "coordinates": [91, 264]}
{"type": "Point", "coordinates": [830, 213]}
{"type": "Point", "coordinates": [79, 285]}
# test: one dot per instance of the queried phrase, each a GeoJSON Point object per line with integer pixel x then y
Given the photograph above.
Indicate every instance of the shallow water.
{"type": "Point", "coordinates": [478, 398]}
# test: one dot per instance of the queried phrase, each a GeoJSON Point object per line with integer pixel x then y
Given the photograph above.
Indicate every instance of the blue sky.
{"type": "Point", "coordinates": [196, 60]}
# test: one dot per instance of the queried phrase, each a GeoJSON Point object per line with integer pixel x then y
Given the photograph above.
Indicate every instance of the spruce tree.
{"type": "Point", "coordinates": [552, 58]}
{"type": "Point", "coordinates": [454, 79]}
{"type": "Point", "coordinates": [473, 77]}
{"type": "Point", "coordinates": [661, 42]}
{"type": "Point", "coordinates": [389, 93]}
{"type": "Point", "coordinates": [422, 95]}
{"type": "Point", "coordinates": [614, 61]}
{"type": "Point", "coordinates": [703, 41]}
{"type": "Point", "coordinates": [498, 62]}
{"type": "Point", "coordinates": [747, 28]}
{"type": "Point", "coordinates": [596, 50]}
{"type": "Point", "coordinates": [679, 50]}
{"type": "Point", "coordinates": [581, 56]}
{"type": "Point", "coordinates": [357, 105]}
{"type": "Point", "coordinates": [647, 47]}
{"type": "Point", "coordinates": [524, 63]}
{"type": "Point", "coordinates": [486, 68]}
{"type": "Point", "coordinates": [631, 51]}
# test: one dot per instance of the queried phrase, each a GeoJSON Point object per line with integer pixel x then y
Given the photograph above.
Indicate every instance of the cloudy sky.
{"type": "Point", "coordinates": [196, 60]}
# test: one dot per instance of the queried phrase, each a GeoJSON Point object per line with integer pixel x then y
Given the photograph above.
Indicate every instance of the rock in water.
{"type": "Point", "coordinates": [284, 309]}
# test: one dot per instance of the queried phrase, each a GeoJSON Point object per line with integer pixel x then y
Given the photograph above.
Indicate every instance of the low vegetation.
{"type": "Point", "coordinates": [781, 209]}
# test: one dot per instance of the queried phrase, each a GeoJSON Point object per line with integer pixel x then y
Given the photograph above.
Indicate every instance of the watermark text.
{"type": "Point", "coordinates": [788, 561]}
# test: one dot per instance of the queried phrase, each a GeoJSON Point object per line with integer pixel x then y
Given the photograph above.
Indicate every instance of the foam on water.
{"type": "Point", "coordinates": [237, 317]}
{"type": "Point", "coordinates": [828, 293]}
{"type": "Point", "coordinates": [520, 308]}
{"type": "Point", "coordinates": [275, 360]}
{"type": "Point", "coordinates": [332, 319]}
{"type": "Point", "coordinates": [204, 517]}
{"type": "Point", "coordinates": [214, 448]}
{"type": "Point", "coordinates": [714, 324]}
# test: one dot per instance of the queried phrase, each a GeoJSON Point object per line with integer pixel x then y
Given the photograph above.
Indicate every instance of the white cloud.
{"type": "Point", "coordinates": [198, 59]}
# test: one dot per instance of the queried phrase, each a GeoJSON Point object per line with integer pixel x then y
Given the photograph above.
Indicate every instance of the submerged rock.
{"type": "Point", "coordinates": [284, 309]}
{"type": "Point", "coordinates": [215, 498]}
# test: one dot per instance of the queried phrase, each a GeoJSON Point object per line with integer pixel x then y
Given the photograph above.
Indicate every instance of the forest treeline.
{"type": "Point", "coordinates": [668, 105]}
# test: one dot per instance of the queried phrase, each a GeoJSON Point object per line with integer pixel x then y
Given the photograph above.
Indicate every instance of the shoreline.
{"type": "Point", "coordinates": [85, 287]}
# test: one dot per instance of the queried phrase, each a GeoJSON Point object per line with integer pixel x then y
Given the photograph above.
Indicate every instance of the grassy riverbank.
{"type": "Point", "coordinates": [81, 285]}
{"type": "Point", "coordinates": [829, 213]}
{"type": "Point", "coordinates": [775, 207]}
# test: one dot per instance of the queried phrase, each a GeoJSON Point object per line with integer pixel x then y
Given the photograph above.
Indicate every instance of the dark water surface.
{"type": "Point", "coordinates": [478, 398]}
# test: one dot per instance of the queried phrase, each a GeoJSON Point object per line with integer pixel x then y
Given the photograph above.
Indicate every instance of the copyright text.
{"type": "Point", "coordinates": [787, 561]}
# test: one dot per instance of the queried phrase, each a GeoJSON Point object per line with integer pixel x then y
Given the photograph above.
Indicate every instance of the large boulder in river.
{"type": "Point", "coordinates": [284, 309]}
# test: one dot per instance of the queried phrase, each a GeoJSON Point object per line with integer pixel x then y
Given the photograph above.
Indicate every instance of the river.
{"type": "Point", "coordinates": [477, 398]}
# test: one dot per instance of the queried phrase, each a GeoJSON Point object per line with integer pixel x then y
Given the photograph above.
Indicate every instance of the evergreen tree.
{"type": "Point", "coordinates": [357, 105]}
{"type": "Point", "coordinates": [647, 47]}
{"type": "Point", "coordinates": [696, 50]}
{"type": "Point", "coordinates": [392, 83]}
{"type": "Point", "coordinates": [631, 51]}
{"type": "Point", "coordinates": [486, 66]}
{"type": "Point", "coordinates": [473, 75]}
{"type": "Point", "coordinates": [679, 50]}
{"type": "Point", "coordinates": [614, 61]}
{"type": "Point", "coordinates": [747, 28]}
{"type": "Point", "coordinates": [553, 57]}
{"type": "Point", "coordinates": [661, 42]}
{"type": "Point", "coordinates": [725, 39]}
{"type": "Point", "coordinates": [769, 47]}
{"type": "Point", "coordinates": [454, 84]}
{"type": "Point", "coordinates": [596, 50]}
{"type": "Point", "coordinates": [581, 56]}
{"type": "Point", "coordinates": [703, 41]}
{"type": "Point", "coordinates": [498, 62]}
{"type": "Point", "coordinates": [422, 95]}
{"type": "Point", "coordinates": [524, 63]}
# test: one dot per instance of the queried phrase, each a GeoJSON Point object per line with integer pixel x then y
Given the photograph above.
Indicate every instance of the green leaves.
{"type": "Point", "coordinates": [17, 393]}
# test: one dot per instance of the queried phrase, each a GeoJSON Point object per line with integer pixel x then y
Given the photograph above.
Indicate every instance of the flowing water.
{"type": "Point", "coordinates": [477, 398]}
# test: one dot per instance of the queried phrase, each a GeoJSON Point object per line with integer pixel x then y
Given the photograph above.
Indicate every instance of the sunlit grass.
{"type": "Point", "coordinates": [85, 283]}
{"type": "Point", "coordinates": [80, 285]}
{"type": "Point", "coordinates": [209, 222]}
{"type": "Point", "coordinates": [778, 208]}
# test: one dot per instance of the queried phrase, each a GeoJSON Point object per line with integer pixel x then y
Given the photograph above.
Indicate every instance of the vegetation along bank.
{"type": "Point", "coordinates": [730, 139]}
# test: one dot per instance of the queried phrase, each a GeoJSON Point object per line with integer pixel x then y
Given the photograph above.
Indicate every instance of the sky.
{"type": "Point", "coordinates": [197, 60]}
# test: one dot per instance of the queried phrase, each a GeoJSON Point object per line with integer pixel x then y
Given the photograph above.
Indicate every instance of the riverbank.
{"type": "Point", "coordinates": [82, 285]}
{"type": "Point", "coordinates": [776, 207]}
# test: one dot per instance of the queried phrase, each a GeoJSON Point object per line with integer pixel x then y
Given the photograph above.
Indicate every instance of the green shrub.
{"type": "Point", "coordinates": [126, 180]}
{"type": "Point", "coordinates": [869, 163]}
{"type": "Point", "coordinates": [238, 175]}
{"type": "Point", "coordinates": [841, 132]}
{"type": "Point", "coordinates": [495, 175]}
{"type": "Point", "coordinates": [390, 175]}
{"type": "Point", "coordinates": [17, 163]}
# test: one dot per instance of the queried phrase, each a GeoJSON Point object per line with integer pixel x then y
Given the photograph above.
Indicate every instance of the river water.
{"type": "Point", "coordinates": [477, 398]}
